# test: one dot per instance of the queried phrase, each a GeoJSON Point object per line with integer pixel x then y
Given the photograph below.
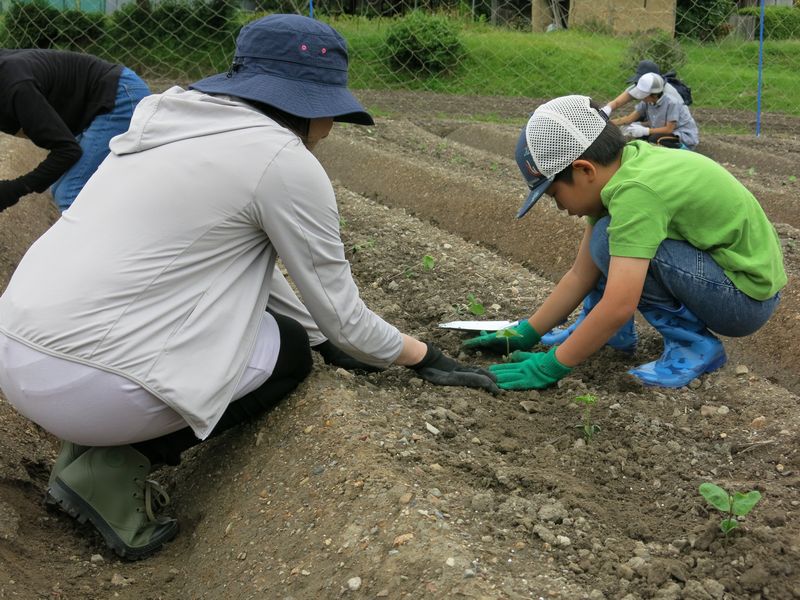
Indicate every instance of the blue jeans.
{"type": "Point", "coordinates": [679, 274]}
{"type": "Point", "coordinates": [95, 138]}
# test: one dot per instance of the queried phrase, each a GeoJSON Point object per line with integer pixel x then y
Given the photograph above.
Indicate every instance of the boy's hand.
{"type": "Point", "coordinates": [440, 369]}
{"type": "Point", "coordinates": [530, 370]}
{"type": "Point", "coordinates": [526, 339]}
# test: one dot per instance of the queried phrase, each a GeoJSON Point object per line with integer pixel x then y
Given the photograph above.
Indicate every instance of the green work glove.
{"type": "Point", "coordinates": [530, 370]}
{"type": "Point", "coordinates": [526, 339]}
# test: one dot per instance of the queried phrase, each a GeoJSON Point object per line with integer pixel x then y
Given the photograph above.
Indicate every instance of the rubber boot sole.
{"type": "Point", "coordinates": [79, 509]}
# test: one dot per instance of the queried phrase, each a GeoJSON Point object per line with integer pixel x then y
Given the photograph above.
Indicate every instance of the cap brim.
{"type": "Point", "coordinates": [637, 94]}
{"type": "Point", "coordinates": [301, 98]}
{"type": "Point", "coordinates": [536, 193]}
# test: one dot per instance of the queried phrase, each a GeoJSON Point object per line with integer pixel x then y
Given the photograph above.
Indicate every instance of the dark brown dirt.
{"type": "Point", "coordinates": [345, 479]}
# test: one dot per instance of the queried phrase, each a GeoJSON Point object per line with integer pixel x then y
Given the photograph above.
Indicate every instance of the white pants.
{"type": "Point", "coordinates": [92, 407]}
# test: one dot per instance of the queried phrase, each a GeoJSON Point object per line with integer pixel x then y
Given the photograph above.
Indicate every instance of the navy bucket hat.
{"type": "Point", "coordinates": [294, 63]}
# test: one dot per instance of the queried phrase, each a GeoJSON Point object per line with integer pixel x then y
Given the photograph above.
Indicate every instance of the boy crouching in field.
{"type": "Point", "coordinates": [670, 233]}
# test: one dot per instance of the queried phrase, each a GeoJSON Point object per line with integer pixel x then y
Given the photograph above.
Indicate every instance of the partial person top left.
{"type": "Point", "coordinates": [70, 104]}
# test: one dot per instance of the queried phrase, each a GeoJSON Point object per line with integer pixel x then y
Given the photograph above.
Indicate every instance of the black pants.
{"type": "Point", "coordinates": [293, 365]}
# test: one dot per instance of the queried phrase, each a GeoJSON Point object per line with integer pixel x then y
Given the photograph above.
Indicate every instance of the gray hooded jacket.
{"type": "Point", "coordinates": [162, 267]}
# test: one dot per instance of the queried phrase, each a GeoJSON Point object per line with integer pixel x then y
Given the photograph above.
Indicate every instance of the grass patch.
{"type": "Point", "coordinates": [722, 75]}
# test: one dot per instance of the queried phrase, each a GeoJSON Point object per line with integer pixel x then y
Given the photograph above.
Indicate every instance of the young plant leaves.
{"type": "Point", "coordinates": [716, 496]}
{"type": "Point", "coordinates": [744, 503]}
{"type": "Point", "coordinates": [728, 525]}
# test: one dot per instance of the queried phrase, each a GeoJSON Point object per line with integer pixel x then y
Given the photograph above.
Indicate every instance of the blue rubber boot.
{"type": "Point", "coordinates": [624, 340]}
{"type": "Point", "coordinates": [690, 349]}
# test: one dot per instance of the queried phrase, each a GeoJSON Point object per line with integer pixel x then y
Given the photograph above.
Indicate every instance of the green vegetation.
{"type": "Point", "coordinates": [428, 262]}
{"type": "Point", "coordinates": [733, 505]}
{"type": "Point", "coordinates": [491, 61]}
{"type": "Point", "coordinates": [587, 427]}
{"type": "Point", "coordinates": [423, 42]}
{"type": "Point", "coordinates": [475, 307]}
{"type": "Point", "coordinates": [722, 74]}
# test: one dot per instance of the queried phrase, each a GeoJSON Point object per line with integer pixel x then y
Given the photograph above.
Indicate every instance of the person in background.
{"type": "Point", "coordinates": [70, 104]}
{"type": "Point", "coordinates": [681, 93]}
{"type": "Point", "coordinates": [671, 233]}
{"type": "Point", "coordinates": [658, 117]}
{"type": "Point", "coordinates": [153, 336]}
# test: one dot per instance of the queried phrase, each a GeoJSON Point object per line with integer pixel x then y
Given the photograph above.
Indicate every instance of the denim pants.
{"type": "Point", "coordinates": [95, 138]}
{"type": "Point", "coordinates": [680, 274]}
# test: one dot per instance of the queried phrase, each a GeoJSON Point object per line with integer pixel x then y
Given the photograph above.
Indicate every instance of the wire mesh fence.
{"type": "Point", "coordinates": [516, 48]}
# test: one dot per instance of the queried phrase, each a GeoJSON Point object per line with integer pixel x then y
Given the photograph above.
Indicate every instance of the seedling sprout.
{"type": "Point", "coordinates": [428, 262]}
{"type": "Point", "coordinates": [588, 428]}
{"type": "Point", "coordinates": [734, 505]}
{"type": "Point", "coordinates": [508, 333]}
{"type": "Point", "coordinates": [475, 307]}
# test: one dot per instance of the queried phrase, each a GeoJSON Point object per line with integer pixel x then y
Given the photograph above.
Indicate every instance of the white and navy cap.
{"type": "Point", "coordinates": [649, 83]}
{"type": "Point", "coordinates": [556, 135]}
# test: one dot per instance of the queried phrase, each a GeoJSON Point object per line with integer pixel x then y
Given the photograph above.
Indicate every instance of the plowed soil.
{"type": "Point", "coordinates": [384, 486]}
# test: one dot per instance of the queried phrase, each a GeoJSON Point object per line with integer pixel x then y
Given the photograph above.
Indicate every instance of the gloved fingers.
{"type": "Point", "coordinates": [478, 370]}
{"type": "Point", "coordinates": [460, 378]}
{"type": "Point", "coordinates": [520, 355]}
{"type": "Point", "coordinates": [481, 340]}
{"type": "Point", "coordinates": [505, 368]}
{"type": "Point", "coordinates": [517, 380]}
{"type": "Point", "coordinates": [518, 384]}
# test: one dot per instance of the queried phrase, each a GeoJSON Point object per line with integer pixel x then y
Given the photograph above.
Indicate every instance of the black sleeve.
{"type": "Point", "coordinates": [45, 128]}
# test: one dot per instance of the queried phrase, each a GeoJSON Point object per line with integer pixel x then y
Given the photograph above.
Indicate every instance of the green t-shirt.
{"type": "Point", "coordinates": [662, 193]}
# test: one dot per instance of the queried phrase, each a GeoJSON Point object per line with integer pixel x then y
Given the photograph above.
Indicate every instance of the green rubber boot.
{"type": "Point", "coordinates": [68, 453]}
{"type": "Point", "coordinates": [109, 487]}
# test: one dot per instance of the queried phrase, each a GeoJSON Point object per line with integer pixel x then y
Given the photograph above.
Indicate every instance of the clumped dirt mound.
{"type": "Point", "coordinates": [382, 485]}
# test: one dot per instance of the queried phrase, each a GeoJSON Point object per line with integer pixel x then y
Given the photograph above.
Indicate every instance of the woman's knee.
{"type": "Point", "coordinates": [294, 358]}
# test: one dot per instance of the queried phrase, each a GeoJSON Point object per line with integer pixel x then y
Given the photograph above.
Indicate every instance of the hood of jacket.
{"type": "Point", "coordinates": [179, 114]}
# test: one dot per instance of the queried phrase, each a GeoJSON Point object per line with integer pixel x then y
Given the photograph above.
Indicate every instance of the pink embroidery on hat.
{"type": "Point", "coordinates": [303, 47]}
{"type": "Point", "coordinates": [324, 50]}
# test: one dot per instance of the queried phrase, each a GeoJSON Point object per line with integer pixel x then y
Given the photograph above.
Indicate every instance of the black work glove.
{"type": "Point", "coordinates": [440, 369]}
{"type": "Point", "coordinates": [10, 192]}
{"type": "Point", "coordinates": [332, 355]}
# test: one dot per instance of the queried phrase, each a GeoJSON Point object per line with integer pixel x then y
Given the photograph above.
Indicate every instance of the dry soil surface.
{"type": "Point", "coordinates": [384, 486]}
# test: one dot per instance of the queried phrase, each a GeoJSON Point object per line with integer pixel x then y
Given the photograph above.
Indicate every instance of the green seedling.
{"type": "Point", "coordinates": [475, 307]}
{"type": "Point", "coordinates": [792, 178]}
{"type": "Point", "coordinates": [360, 246]}
{"type": "Point", "coordinates": [587, 427]}
{"type": "Point", "coordinates": [342, 222]}
{"type": "Point", "coordinates": [428, 262]}
{"type": "Point", "coordinates": [508, 333]}
{"type": "Point", "coordinates": [734, 505]}
{"type": "Point", "coordinates": [751, 171]}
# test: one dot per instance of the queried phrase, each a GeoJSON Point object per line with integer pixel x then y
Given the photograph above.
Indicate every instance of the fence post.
{"type": "Point", "coordinates": [760, 69]}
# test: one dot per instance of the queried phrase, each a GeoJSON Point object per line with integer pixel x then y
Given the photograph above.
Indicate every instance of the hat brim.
{"type": "Point", "coordinates": [637, 94]}
{"type": "Point", "coordinates": [301, 98]}
{"type": "Point", "coordinates": [536, 192]}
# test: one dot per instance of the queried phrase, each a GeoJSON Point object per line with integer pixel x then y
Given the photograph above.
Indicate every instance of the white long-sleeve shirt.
{"type": "Point", "coordinates": [162, 267]}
